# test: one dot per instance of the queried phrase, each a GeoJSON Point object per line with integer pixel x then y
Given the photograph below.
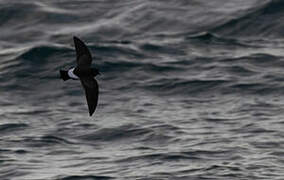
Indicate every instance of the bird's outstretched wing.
{"type": "Point", "coordinates": [84, 57]}
{"type": "Point", "coordinates": [91, 88]}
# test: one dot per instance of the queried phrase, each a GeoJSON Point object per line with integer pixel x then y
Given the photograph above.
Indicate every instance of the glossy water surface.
{"type": "Point", "coordinates": [190, 89]}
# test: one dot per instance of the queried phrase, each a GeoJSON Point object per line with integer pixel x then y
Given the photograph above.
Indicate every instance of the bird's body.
{"type": "Point", "coordinates": [85, 73]}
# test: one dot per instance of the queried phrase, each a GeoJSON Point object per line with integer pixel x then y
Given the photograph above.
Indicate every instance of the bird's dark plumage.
{"type": "Point", "coordinates": [83, 54]}
{"type": "Point", "coordinates": [85, 73]}
{"type": "Point", "coordinates": [64, 75]}
{"type": "Point", "coordinates": [91, 88]}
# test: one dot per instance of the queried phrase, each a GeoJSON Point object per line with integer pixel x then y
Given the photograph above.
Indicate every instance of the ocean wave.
{"type": "Point", "coordinates": [114, 50]}
{"type": "Point", "coordinates": [211, 38]}
{"type": "Point", "coordinates": [46, 12]}
{"type": "Point", "coordinates": [38, 54]}
{"type": "Point", "coordinates": [160, 157]}
{"type": "Point", "coordinates": [44, 141]}
{"type": "Point", "coordinates": [85, 177]}
{"type": "Point", "coordinates": [12, 127]}
{"type": "Point", "coordinates": [191, 155]}
{"type": "Point", "coordinates": [126, 132]}
{"type": "Point", "coordinates": [261, 21]}
{"type": "Point", "coordinates": [167, 86]}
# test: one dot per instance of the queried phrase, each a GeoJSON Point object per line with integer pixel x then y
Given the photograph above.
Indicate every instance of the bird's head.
{"type": "Point", "coordinates": [95, 72]}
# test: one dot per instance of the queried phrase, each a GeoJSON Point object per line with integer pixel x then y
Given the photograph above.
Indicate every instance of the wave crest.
{"type": "Point", "coordinates": [262, 21]}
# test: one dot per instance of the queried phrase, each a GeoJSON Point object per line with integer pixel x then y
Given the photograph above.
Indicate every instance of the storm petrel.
{"type": "Point", "coordinates": [85, 73]}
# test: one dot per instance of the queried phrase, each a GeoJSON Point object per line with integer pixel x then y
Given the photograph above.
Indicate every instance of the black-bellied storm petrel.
{"type": "Point", "coordinates": [85, 73]}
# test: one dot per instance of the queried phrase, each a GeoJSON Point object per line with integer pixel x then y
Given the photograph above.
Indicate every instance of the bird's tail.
{"type": "Point", "coordinates": [64, 75]}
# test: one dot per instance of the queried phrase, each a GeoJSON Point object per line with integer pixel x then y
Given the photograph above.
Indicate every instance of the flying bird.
{"type": "Point", "coordinates": [85, 73]}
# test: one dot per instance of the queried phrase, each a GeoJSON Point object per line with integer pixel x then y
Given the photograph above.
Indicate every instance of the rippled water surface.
{"type": "Point", "coordinates": [190, 89]}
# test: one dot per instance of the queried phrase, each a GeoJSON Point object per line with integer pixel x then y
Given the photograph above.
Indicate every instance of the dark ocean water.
{"type": "Point", "coordinates": [190, 89]}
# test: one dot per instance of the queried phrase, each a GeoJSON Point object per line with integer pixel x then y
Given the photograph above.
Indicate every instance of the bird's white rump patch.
{"type": "Point", "coordinates": [71, 74]}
